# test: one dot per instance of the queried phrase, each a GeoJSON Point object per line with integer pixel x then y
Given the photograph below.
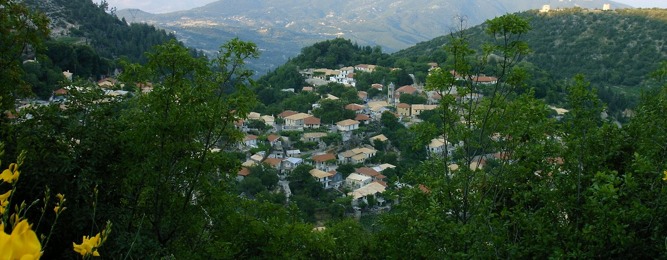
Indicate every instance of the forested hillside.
{"type": "Point", "coordinates": [612, 48]}
{"type": "Point", "coordinates": [87, 41]}
{"type": "Point", "coordinates": [155, 172]}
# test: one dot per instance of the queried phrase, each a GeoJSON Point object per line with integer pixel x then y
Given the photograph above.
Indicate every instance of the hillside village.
{"type": "Point", "coordinates": [359, 137]}
{"type": "Point", "coordinates": [290, 139]}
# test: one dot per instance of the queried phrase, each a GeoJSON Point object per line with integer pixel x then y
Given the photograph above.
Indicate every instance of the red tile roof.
{"type": "Point", "coordinates": [407, 89]}
{"type": "Point", "coordinates": [324, 157]}
{"type": "Point", "coordinates": [287, 113]}
{"type": "Point", "coordinates": [362, 117]}
{"type": "Point", "coordinates": [312, 121]}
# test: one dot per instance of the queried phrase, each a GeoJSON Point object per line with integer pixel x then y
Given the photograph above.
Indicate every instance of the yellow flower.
{"type": "Point", "coordinates": [11, 174]}
{"type": "Point", "coordinates": [59, 204]}
{"type": "Point", "coordinates": [88, 246]}
{"type": "Point", "coordinates": [664, 178]}
{"type": "Point", "coordinates": [22, 243]}
{"type": "Point", "coordinates": [4, 202]}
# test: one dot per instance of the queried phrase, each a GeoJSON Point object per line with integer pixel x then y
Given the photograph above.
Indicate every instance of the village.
{"type": "Point", "coordinates": [287, 140]}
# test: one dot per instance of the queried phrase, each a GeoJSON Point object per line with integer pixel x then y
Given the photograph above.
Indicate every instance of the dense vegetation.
{"type": "Point", "coordinates": [576, 186]}
{"type": "Point", "coordinates": [614, 48]}
{"type": "Point", "coordinates": [86, 41]}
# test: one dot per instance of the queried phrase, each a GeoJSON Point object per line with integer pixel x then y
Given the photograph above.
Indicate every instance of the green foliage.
{"type": "Point", "coordinates": [21, 27]}
{"type": "Point", "coordinates": [332, 111]}
{"type": "Point", "coordinates": [412, 99]}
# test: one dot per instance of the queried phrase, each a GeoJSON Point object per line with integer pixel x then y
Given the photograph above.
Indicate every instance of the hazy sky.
{"type": "Point", "coordinates": [164, 6]}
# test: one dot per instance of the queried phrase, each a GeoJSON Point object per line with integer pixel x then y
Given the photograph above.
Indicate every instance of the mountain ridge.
{"type": "Point", "coordinates": [282, 28]}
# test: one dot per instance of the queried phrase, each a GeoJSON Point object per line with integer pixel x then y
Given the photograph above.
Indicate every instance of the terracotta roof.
{"type": "Point", "coordinates": [287, 113]}
{"type": "Point", "coordinates": [376, 86]}
{"type": "Point", "coordinates": [307, 88]}
{"type": "Point", "coordinates": [273, 161]}
{"type": "Point", "coordinates": [250, 137]}
{"type": "Point", "coordinates": [381, 137]}
{"type": "Point", "coordinates": [403, 105]}
{"type": "Point", "coordinates": [407, 89]}
{"type": "Point", "coordinates": [362, 117]}
{"type": "Point", "coordinates": [272, 137]}
{"type": "Point", "coordinates": [367, 171]}
{"type": "Point", "coordinates": [347, 122]}
{"type": "Point", "coordinates": [485, 79]}
{"type": "Point", "coordinates": [324, 157]}
{"type": "Point", "coordinates": [362, 94]}
{"type": "Point", "coordinates": [354, 107]}
{"type": "Point", "coordinates": [244, 171]}
{"type": "Point", "coordinates": [60, 91]}
{"type": "Point", "coordinates": [320, 174]}
{"type": "Point", "coordinates": [311, 121]}
{"type": "Point", "coordinates": [298, 116]}
{"type": "Point", "coordinates": [424, 189]}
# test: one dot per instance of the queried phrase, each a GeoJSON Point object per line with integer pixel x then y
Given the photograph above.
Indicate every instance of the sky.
{"type": "Point", "coordinates": [165, 6]}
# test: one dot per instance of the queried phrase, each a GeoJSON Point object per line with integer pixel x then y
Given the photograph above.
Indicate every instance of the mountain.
{"type": "Point", "coordinates": [612, 48]}
{"type": "Point", "coordinates": [282, 27]}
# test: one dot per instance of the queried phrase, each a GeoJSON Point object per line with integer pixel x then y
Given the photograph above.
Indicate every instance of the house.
{"type": "Point", "coordinates": [307, 89]}
{"type": "Point", "coordinates": [254, 116]}
{"type": "Point", "coordinates": [296, 121]}
{"type": "Point", "coordinates": [365, 67]}
{"type": "Point", "coordinates": [347, 125]}
{"type": "Point", "coordinates": [370, 172]}
{"type": "Point", "coordinates": [417, 109]}
{"type": "Point", "coordinates": [484, 80]}
{"type": "Point", "coordinates": [106, 83]}
{"type": "Point", "coordinates": [363, 95]}
{"type": "Point", "coordinates": [380, 138]}
{"type": "Point", "coordinates": [331, 97]}
{"type": "Point", "coordinates": [311, 122]}
{"type": "Point", "coordinates": [241, 174]}
{"type": "Point", "coordinates": [372, 189]}
{"type": "Point", "coordinates": [322, 177]}
{"type": "Point", "coordinates": [380, 168]}
{"type": "Point", "coordinates": [268, 120]}
{"type": "Point", "coordinates": [68, 75]}
{"type": "Point", "coordinates": [545, 9]}
{"type": "Point", "coordinates": [273, 139]}
{"type": "Point", "coordinates": [313, 137]}
{"type": "Point", "coordinates": [355, 107]}
{"type": "Point", "coordinates": [273, 162]}
{"type": "Point", "coordinates": [258, 157]}
{"type": "Point", "coordinates": [403, 109]}
{"type": "Point", "coordinates": [250, 141]}
{"type": "Point", "coordinates": [363, 119]}
{"type": "Point", "coordinates": [356, 155]}
{"type": "Point", "coordinates": [439, 146]}
{"type": "Point", "coordinates": [355, 181]}
{"type": "Point", "coordinates": [293, 153]}
{"type": "Point", "coordinates": [287, 113]}
{"type": "Point", "coordinates": [291, 162]}
{"type": "Point", "coordinates": [407, 89]}
{"type": "Point", "coordinates": [325, 161]}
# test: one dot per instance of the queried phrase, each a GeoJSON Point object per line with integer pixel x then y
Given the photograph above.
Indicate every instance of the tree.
{"type": "Point", "coordinates": [191, 111]}
{"type": "Point", "coordinates": [21, 32]}
{"type": "Point", "coordinates": [332, 111]}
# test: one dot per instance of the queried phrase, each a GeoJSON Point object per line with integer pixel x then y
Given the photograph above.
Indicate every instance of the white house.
{"type": "Point", "coordinates": [347, 125]}
{"type": "Point", "coordinates": [325, 162]}
{"type": "Point", "coordinates": [355, 181]}
{"type": "Point", "coordinates": [323, 177]}
{"type": "Point", "coordinates": [296, 121]}
{"type": "Point", "coordinates": [291, 162]}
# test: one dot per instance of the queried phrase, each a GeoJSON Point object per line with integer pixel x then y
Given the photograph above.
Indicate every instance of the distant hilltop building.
{"type": "Point", "coordinates": [606, 7]}
{"type": "Point", "coordinates": [545, 9]}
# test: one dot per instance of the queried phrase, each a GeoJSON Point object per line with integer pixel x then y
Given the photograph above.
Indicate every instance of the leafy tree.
{"type": "Point", "coordinates": [332, 111]}
{"type": "Point", "coordinates": [22, 28]}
